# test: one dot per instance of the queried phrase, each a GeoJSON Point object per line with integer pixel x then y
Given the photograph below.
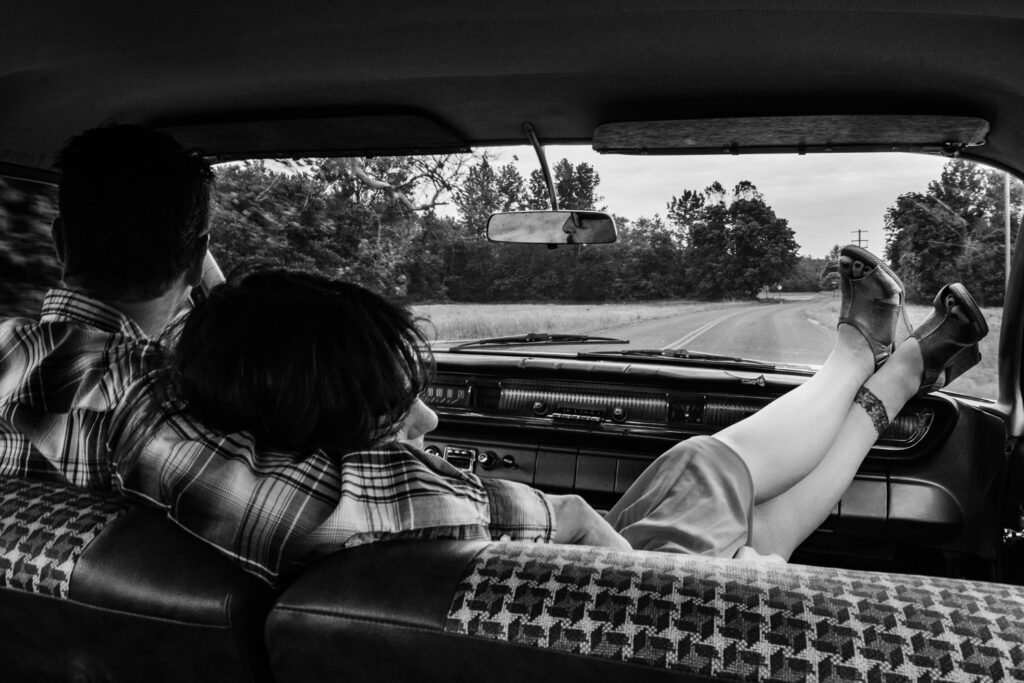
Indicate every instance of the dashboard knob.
{"type": "Point", "coordinates": [509, 461]}
{"type": "Point", "coordinates": [433, 450]}
{"type": "Point", "coordinates": [618, 413]}
{"type": "Point", "coordinates": [539, 408]}
{"type": "Point", "coordinates": [487, 459]}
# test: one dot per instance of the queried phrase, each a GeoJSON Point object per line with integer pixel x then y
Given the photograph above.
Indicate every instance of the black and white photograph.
{"type": "Point", "coordinates": [444, 341]}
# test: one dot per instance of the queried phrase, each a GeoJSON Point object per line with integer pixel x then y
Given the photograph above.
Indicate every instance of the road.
{"type": "Point", "coordinates": [779, 332]}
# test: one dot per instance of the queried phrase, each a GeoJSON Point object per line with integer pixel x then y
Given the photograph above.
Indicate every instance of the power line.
{"type": "Point", "coordinates": [861, 241]}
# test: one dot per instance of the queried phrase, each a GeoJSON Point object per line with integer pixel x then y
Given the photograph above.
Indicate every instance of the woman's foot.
{"type": "Point", "coordinates": [949, 337]}
{"type": "Point", "coordinates": [872, 301]}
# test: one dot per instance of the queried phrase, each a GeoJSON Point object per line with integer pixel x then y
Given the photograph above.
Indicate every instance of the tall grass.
{"type": "Point", "coordinates": [472, 321]}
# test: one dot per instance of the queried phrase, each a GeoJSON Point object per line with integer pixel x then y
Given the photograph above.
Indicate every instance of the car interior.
{"type": "Point", "coordinates": [914, 574]}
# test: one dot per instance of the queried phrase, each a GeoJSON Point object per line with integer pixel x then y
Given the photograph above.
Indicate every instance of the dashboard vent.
{"type": "Point", "coordinates": [907, 428]}
{"type": "Point", "coordinates": [724, 412]}
{"type": "Point", "coordinates": [553, 398]}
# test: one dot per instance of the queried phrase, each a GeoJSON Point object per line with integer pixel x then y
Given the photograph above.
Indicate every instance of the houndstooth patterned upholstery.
{"type": "Point", "coordinates": [43, 529]}
{"type": "Point", "coordinates": [742, 620]}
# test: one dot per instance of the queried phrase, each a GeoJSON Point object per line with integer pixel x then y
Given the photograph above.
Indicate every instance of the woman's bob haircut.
{"type": "Point", "coordinates": [301, 361]}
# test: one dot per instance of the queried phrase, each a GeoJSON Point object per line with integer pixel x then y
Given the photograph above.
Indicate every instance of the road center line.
{"type": "Point", "coordinates": [686, 339]}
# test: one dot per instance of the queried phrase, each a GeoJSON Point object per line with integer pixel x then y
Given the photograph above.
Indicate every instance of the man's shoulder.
{"type": "Point", "coordinates": [19, 334]}
{"type": "Point", "coordinates": [66, 365]}
{"type": "Point", "coordinates": [9, 326]}
{"type": "Point", "coordinates": [73, 340]}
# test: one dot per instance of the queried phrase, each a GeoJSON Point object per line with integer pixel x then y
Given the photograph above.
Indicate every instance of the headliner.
{"type": "Point", "coordinates": [479, 69]}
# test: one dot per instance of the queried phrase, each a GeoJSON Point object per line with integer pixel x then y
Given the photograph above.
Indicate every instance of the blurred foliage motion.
{"type": "Point", "coordinates": [414, 227]}
{"type": "Point", "coordinates": [28, 264]}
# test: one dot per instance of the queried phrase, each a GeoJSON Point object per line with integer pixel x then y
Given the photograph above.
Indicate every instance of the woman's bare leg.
{"type": "Point", "coordinates": [783, 442]}
{"type": "Point", "coordinates": [783, 522]}
{"type": "Point", "coordinates": [786, 439]}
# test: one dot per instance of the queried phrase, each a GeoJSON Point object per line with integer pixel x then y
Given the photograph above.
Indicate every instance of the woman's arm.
{"type": "Point", "coordinates": [578, 523]}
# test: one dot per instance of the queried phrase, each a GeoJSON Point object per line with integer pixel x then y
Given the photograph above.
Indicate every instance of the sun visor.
{"type": "Point", "coordinates": [788, 134]}
{"type": "Point", "coordinates": [371, 135]}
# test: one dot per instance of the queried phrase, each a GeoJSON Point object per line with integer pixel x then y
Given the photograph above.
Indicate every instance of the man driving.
{"type": "Point", "coordinates": [131, 233]}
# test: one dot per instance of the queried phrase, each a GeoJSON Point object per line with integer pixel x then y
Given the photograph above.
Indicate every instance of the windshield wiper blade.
{"type": "Point", "coordinates": [535, 338]}
{"type": "Point", "coordinates": [684, 353]}
{"type": "Point", "coordinates": [679, 354]}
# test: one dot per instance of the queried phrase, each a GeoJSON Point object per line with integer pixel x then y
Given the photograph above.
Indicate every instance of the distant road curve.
{"type": "Point", "coordinates": [780, 332]}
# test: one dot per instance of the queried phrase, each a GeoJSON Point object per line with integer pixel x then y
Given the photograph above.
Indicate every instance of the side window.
{"type": "Point", "coordinates": [28, 264]}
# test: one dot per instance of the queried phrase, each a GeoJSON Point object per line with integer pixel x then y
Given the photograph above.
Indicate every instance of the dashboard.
{"type": "Point", "coordinates": [590, 427]}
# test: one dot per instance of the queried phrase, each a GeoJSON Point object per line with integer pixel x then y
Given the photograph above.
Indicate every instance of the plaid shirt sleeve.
{"type": "Point", "coordinates": [519, 512]}
{"type": "Point", "coordinates": [267, 511]}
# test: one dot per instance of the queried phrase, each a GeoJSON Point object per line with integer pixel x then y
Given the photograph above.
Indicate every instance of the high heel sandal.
{"type": "Point", "coordinates": [949, 337]}
{"type": "Point", "coordinates": [862, 303]}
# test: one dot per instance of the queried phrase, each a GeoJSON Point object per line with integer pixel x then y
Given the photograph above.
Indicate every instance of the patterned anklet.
{"type": "Point", "coordinates": [872, 405]}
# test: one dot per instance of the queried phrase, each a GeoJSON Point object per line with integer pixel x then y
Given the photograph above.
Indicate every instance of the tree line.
{"type": "Point", "coordinates": [713, 244]}
{"type": "Point", "coordinates": [414, 228]}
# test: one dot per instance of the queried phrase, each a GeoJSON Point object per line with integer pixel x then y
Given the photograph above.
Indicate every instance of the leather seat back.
{"type": "Point", "coordinates": [92, 588]}
{"type": "Point", "coordinates": [517, 611]}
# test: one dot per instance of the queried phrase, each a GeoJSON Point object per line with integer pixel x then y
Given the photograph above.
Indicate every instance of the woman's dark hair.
{"type": "Point", "coordinates": [301, 361]}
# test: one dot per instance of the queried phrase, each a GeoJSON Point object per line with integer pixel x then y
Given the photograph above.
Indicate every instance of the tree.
{"type": "Point", "coordinates": [923, 243]}
{"type": "Point", "coordinates": [686, 209]}
{"type": "Point", "coordinates": [511, 191]}
{"type": "Point", "coordinates": [828, 277]}
{"type": "Point", "coordinates": [649, 264]}
{"type": "Point", "coordinates": [805, 276]}
{"type": "Point", "coordinates": [484, 191]}
{"type": "Point", "coordinates": [575, 187]}
{"type": "Point", "coordinates": [735, 244]}
{"type": "Point", "coordinates": [317, 214]}
{"type": "Point", "coordinates": [709, 252]}
{"type": "Point", "coordinates": [954, 231]}
{"type": "Point", "coordinates": [764, 246]}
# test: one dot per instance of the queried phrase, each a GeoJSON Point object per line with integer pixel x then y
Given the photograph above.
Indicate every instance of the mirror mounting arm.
{"type": "Point", "coordinates": [531, 135]}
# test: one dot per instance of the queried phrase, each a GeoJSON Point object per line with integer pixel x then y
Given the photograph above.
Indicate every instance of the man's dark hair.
{"type": "Point", "coordinates": [134, 205]}
{"type": "Point", "coordinates": [301, 361]}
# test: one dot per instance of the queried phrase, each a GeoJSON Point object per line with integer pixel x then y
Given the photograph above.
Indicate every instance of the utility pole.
{"type": "Point", "coordinates": [861, 241]}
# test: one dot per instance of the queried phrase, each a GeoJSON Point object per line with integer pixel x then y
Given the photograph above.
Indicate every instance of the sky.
{"type": "Point", "coordinates": [824, 197]}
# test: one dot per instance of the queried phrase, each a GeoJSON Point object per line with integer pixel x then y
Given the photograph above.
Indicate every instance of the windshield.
{"type": "Point", "coordinates": [730, 255]}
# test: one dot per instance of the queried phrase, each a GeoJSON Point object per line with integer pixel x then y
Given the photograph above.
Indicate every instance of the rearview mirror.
{"type": "Point", "coordinates": [551, 227]}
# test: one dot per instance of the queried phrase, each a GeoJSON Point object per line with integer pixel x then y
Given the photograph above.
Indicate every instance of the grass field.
{"type": "Point", "coordinates": [472, 321]}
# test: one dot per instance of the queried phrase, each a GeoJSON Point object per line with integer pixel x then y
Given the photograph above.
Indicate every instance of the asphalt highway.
{"type": "Point", "coordinates": [778, 332]}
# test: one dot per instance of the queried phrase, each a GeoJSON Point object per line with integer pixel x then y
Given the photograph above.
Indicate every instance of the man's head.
{"type": "Point", "coordinates": [134, 213]}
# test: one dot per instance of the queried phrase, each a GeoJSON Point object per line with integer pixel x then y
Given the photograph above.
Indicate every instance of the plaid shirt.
{"type": "Point", "coordinates": [60, 378]}
{"type": "Point", "coordinates": [266, 511]}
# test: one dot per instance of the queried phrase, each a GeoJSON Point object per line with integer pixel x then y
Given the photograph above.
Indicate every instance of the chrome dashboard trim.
{"type": "Point", "coordinates": [525, 395]}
